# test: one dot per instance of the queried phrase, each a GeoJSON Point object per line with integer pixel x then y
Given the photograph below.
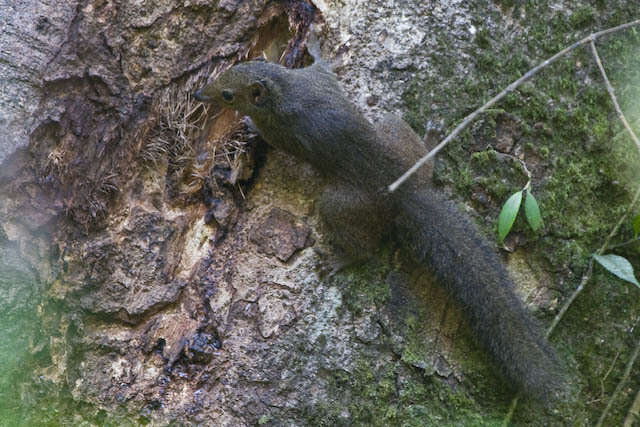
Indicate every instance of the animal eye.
{"type": "Point", "coordinates": [227, 95]}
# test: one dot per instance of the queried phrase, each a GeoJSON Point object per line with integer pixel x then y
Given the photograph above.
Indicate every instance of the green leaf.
{"type": "Point", "coordinates": [508, 214]}
{"type": "Point", "coordinates": [619, 266]}
{"type": "Point", "coordinates": [636, 226]}
{"type": "Point", "coordinates": [532, 211]}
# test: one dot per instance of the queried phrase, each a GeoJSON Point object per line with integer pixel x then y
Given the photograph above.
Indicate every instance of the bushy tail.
{"type": "Point", "coordinates": [448, 242]}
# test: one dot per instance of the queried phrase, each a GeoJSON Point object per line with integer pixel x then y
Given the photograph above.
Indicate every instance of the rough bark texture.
{"type": "Point", "coordinates": [160, 265]}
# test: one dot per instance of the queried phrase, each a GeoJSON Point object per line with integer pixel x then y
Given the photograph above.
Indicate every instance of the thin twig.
{"type": "Point", "coordinates": [621, 384]}
{"type": "Point", "coordinates": [634, 411]}
{"type": "Point", "coordinates": [523, 164]}
{"type": "Point", "coordinates": [622, 219]}
{"type": "Point", "coordinates": [613, 95]}
{"type": "Point", "coordinates": [628, 242]}
{"type": "Point", "coordinates": [605, 245]}
{"type": "Point", "coordinates": [574, 295]}
{"type": "Point", "coordinates": [587, 275]}
{"type": "Point", "coordinates": [467, 120]}
{"type": "Point", "coordinates": [606, 375]}
{"type": "Point", "coordinates": [512, 410]}
{"type": "Point", "coordinates": [578, 291]}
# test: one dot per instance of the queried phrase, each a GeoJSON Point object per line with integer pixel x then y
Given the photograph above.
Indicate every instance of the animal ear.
{"type": "Point", "coordinates": [258, 92]}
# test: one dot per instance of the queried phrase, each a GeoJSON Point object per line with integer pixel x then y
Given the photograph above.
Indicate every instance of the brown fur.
{"type": "Point", "coordinates": [306, 113]}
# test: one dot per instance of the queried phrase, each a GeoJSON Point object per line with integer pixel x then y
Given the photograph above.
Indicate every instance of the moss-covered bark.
{"type": "Point", "coordinates": [176, 279]}
{"type": "Point", "coordinates": [584, 167]}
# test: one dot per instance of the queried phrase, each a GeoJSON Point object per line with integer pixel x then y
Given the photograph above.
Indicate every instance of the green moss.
{"type": "Point", "coordinates": [483, 39]}
{"type": "Point", "coordinates": [380, 400]}
{"type": "Point", "coordinates": [584, 169]}
{"type": "Point", "coordinates": [582, 17]}
{"type": "Point", "coordinates": [364, 286]}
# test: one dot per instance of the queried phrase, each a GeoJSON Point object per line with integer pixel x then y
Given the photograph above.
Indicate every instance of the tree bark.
{"type": "Point", "coordinates": [161, 265]}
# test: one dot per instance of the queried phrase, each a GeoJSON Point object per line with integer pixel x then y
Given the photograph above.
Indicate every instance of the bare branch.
{"type": "Point", "coordinates": [467, 120]}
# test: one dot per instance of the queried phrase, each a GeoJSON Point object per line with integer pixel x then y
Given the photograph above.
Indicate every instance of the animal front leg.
{"type": "Point", "coordinates": [355, 221]}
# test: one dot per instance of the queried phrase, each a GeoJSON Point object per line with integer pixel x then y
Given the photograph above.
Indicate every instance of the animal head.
{"type": "Point", "coordinates": [248, 88]}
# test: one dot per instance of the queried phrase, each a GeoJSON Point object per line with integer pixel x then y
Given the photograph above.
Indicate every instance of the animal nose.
{"type": "Point", "coordinates": [199, 96]}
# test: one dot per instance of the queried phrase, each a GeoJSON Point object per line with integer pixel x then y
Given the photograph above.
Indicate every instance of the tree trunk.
{"type": "Point", "coordinates": [160, 264]}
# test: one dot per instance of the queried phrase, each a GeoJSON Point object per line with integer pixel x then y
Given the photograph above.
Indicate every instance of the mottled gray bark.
{"type": "Point", "coordinates": [159, 264]}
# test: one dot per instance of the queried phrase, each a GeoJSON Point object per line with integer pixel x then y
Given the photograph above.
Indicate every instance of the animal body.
{"type": "Point", "coordinates": [306, 113]}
